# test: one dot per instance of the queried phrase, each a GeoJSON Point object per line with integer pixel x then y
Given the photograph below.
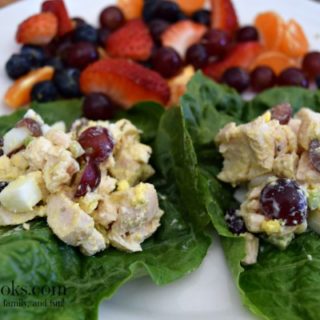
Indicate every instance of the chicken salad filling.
{"type": "Point", "coordinates": [274, 163]}
{"type": "Point", "coordinates": [88, 182]}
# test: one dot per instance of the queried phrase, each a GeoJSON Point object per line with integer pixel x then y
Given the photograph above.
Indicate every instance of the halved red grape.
{"type": "Point", "coordinates": [284, 199]}
{"type": "Point", "coordinates": [314, 153]}
{"type": "Point", "coordinates": [90, 179]}
{"type": "Point", "coordinates": [97, 143]}
{"type": "Point", "coordinates": [282, 112]}
{"type": "Point", "coordinates": [32, 125]}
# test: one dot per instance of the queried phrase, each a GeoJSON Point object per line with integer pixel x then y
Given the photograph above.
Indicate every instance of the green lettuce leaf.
{"type": "Point", "coordinates": [283, 284]}
{"type": "Point", "coordinates": [36, 258]}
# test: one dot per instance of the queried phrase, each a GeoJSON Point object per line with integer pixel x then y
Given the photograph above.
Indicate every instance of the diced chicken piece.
{"type": "Point", "coordinates": [59, 125]}
{"type": "Point", "coordinates": [8, 171]}
{"type": "Point", "coordinates": [93, 244]}
{"type": "Point", "coordinates": [285, 140]}
{"type": "Point", "coordinates": [306, 173]}
{"type": "Point", "coordinates": [107, 211]}
{"type": "Point", "coordinates": [89, 202]}
{"type": "Point", "coordinates": [123, 129]}
{"type": "Point", "coordinates": [249, 150]}
{"type": "Point", "coordinates": [38, 151]}
{"type": "Point", "coordinates": [253, 221]}
{"type": "Point", "coordinates": [72, 225]}
{"type": "Point", "coordinates": [58, 138]}
{"type": "Point", "coordinates": [251, 248]}
{"type": "Point", "coordinates": [295, 124]}
{"type": "Point", "coordinates": [285, 165]}
{"type": "Point", "coordinates": [135, 215]}
{"type": "Point", "coordinates": [59, 169]}
{"type": "Point", "coordinates": [19, 161]}
{"type": "Point", "coordinates": [9, 218]}
{"type": "Point", "coordinates": [131, 163]}
{"type": "Point", "coordinates": [309, 128]}
{"type": "Point", "coordinates": [66, 219]}
{"type": "Point", "coordinates": [106, 186]}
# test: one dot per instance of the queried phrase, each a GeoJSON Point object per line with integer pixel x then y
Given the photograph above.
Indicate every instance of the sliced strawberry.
{"type": "Point", "coordinates": [224, 15]}
{"type": "Point", "coordinates": [124, 81]}
{"type": "Point", "coordinates": [182, 35]}
{"type": "Point", "coordinates": [242, 55]}
{"type": "Point", "coordinates": [58, 8]}
{"type": "Point", "coordinates": [132, 41]}
{"type": "Point", "coordinates": [39, 29]}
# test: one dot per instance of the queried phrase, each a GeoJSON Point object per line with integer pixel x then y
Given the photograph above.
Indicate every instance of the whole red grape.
{"type": "Point", "coordinates": [217, 42]}
{"type": "Point", "coordinates": [311, 64]}
{"type": "Point", "coordinates": [167, 62]}
{"type": "Point", "coordinates": [97, 106]}
{"type": "Point", "coordinates": [236, 78]}
{"type": "Point", "coordinates": [262, 78]}
{"type": "Point", "coordinates": [293, 77]}
{"type": "Point", "coordinates": [111, 18]}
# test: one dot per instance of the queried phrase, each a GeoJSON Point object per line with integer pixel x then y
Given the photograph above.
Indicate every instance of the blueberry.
{"type": "Point", "coordinates": [162, 9]}
{"type": "Point", "coordinates": [86, 33]}
{"type": "Point", "coordinates": [168, 10]}
{"type": "Point", "coordinates": [44, 91]}
{"type": "Point", "coordinates": [202, 16]}
{"type": "Point", "coordinates": [181, 16]}
{"type": "Point", "coordinates": [36, 55]}
{"type": "Point", "coordinates": [78, 21]}
{"type": "Point", "coordinates": [67, 82]}
{"type": "Point", "coordinates": [18, 65]}
{"type": "Point", "coordinates": [149, 8]}
{"type": "Point", "coordinates": [55, 62]}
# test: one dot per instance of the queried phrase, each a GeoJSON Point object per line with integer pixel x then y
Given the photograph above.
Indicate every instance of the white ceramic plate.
{"type": "Point", "coordinates": [208, 293]}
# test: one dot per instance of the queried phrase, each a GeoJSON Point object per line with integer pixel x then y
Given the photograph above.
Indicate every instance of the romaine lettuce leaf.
{"type": "Point", "coordinates": [283, 284]}
{"type": "Point", "coordinates": [37, 258]}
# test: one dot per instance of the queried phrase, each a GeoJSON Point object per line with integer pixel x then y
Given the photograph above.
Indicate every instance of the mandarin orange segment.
{"type": "Point", "coordinates": [294, 42]}
{"type": "Point", "coordinates": [271, 28]}
{"type": "Point", "coordinates": [277, 61]}
{"type": "Point", "coordinates": [190, 6]}
{"type": "Point", "coordinates": [131, 9]}
{"type": "Point", "coordinates": [18, 94]}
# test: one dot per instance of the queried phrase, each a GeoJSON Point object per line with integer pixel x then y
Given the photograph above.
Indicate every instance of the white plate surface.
{"type": "Point", "coordinates": [208, 293]}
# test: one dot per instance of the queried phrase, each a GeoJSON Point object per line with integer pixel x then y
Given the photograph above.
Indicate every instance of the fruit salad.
{"type": "Point", "coordinates": [149, 50]}
{"type": "Point", "coordinates": [274, 162]}
{"type": "Point", "coordinates": [87, 182]}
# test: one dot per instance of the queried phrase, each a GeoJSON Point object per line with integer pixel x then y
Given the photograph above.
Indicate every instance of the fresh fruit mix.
{"type": "Point", "coordinates": [148, 50]}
